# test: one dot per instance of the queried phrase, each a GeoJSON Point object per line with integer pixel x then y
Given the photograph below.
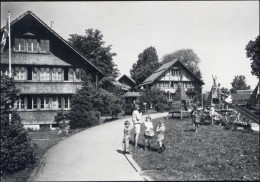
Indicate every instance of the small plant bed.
{"type": "Point", "coordinates": [213, 153]}
{"type": "Point", "coordinates": [42, 141]}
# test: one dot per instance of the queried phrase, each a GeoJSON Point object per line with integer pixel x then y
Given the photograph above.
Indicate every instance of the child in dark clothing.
{"type": "Point", "coordinates": [195, 117]}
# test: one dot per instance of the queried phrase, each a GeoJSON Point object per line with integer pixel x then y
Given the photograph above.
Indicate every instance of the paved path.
{"type": "Point", "coordinates": [91, 155]}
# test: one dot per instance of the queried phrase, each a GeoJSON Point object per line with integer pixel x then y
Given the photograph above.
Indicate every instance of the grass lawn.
{"type": "Point", "coordinates": [44, 141]}
{"type": "Point", "coordinates": [211, 154]}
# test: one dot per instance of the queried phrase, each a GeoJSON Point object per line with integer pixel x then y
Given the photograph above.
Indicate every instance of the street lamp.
{"type": "Point", "coordinates": [144, 107]}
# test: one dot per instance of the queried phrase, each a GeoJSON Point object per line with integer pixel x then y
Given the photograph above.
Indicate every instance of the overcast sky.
{"type": "Point", "coordinates": [217, 31]}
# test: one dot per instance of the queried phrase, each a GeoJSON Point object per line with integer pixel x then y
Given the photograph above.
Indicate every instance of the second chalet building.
{"type": "Point", "coordinates": [46, 68]}
{"type": "Point", "coordinates": [168, 76]}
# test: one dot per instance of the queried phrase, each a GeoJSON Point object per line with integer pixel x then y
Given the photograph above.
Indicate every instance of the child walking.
{"type": "Point", "coordinates": [160, 135]}
{"type": "Point", "coordinates": [195, 118]}
{"type": "Point", "coordinates": [149, 133]}
{"type": "Point", "coordinates": [126, 137]}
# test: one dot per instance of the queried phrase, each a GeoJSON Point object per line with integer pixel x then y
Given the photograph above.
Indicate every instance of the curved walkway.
{"type": "Point", "coordinates": [91, 155]}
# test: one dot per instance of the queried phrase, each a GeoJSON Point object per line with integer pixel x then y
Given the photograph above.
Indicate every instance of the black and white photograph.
{"type": "Point", "coordinates": [130, 91]}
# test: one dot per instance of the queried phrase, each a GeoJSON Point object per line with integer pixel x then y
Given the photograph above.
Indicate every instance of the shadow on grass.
{"type": "Point", "coordinates": [110, 119]}
{"type": "Point", "coordinates": [190, 130]}
{"type": "Point", "coordinates": [142, 146]}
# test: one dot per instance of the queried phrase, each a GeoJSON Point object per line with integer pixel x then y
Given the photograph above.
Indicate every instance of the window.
{"type": "Point", "coordinates": [78, 74]}
{"type": "Point", "coordinates": [19, 73]}
{"type": "Point", "coordinates": [44, 46]}
{"type": "Point", "coordinates": [42, 102]}
{"type": "Point", "coordinates": [29, 73]}
{"type": "Point", "coordinates": [34, 102]}
{"type": "Point", "coordinates": [35, 74]}
{"type": "Point", "coordinates": [66, 100]}
{"type": "Point", "coordinates": [32, 45]}
{"type": "Point", "coordinates": [19, 44]}
{"type": "Point", "coordinates": [45, 74]}
{"type": "Point", "coordinates": [47, 103]}
{"type": "Point", "coordinates": [54, 74]}
{"type": "Point", "coordinates": [71, 74]}
{"type": "Point", "coordinates": [20, 104]}
{"type": "Point", "coordinates": [59, 74]}
{"type": "Point", "coordinates": [59, 102]}
{"type": "Point", "coordinates": [66, 74]}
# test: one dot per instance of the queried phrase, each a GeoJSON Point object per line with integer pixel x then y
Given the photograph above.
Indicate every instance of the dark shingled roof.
{"type": "Point", "coordinates": [132, 94]}
{"type": "Point", "coordinates": [128, 78]}
{"type": "Point", "coordinates": [57, 35]}
{"type": "Point", "coordinates": [48, 87]}
{"type": "Point", "coordinates": [33, 59]}
{"type": "Point", "coordinates": [123, 87]}
{"type": "Point", "coordinates": [162, 69]}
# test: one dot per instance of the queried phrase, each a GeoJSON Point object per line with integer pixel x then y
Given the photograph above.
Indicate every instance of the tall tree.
{"type": "Point", "coordinates": [92, 46]}
{"type": "Point", "coordinates": [146, 64]}
{"type": "Point", "coordinates": [253, 52]}
{"type": "Point", "coordinates": [16, 149]}
{"type": "Point", "coordinates": [239, 83]}
{"type": "Point", "coordinates": [187, 57]}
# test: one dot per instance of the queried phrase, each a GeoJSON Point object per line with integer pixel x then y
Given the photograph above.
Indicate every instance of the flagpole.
{"type": "Point", "coordinates": [9, 37]}
{"type": "Point", "coordinates": [10, 69]}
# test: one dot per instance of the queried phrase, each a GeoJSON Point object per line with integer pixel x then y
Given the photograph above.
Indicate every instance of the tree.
{"type": "Point", "coordinates": [92, 46]}
{"type": "Point", "coordinates": [146, 64]}
{"type": "Point", "coordinates": [188, 57]}
{"type": "Point", "coordinates": [154, 97]}
{"type": "Point", "coordinates": [239, 83]}
{"type": "Point", "coordinates": [16, 149]}
{"type": "Point", "coordinates": [253, 52]}
{"type": "Point", "coordinates": [82, 113]}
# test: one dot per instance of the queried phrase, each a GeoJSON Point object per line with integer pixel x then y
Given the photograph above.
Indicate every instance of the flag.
{"type": "Point", "coordinates": [5, 35]}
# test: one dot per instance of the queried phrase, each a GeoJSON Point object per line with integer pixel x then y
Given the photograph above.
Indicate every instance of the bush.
{"type": "Point", "coordinates": [85, 119]}
{"type": "Point", "coordinates": [16, 149]}
{"type": "Point", "coordinates": [156, 97]}
{"type": "Point", "coordinates": [129, 108]}
{"type": "Point", "coordinates": [61, 119]}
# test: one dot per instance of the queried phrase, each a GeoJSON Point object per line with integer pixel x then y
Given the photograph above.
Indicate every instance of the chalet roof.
{"type": "Point", "coordinates": [132, 94]}
{"type": "Point", "coordinates": [240, 99]}
{"type": "Point", "coordinates": [164, 68]}
{"type": "Point", "coordinates": [33, 59]}
{"type": "Point", "coordinates": [129, 78]}
{"type": "Point", "coordinates": [54, 33]}
{"type": "Point", "coordinates": [123, 87]}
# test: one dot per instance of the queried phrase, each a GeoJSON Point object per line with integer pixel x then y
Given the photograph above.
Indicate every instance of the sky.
{"type": "Point", "coordinates": [217, 31]}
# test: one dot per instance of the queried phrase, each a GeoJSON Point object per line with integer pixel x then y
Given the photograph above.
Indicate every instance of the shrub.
{"type": "Point", "coordinates": [61, 119]}
{"type": "Point", "coordinates": [156, 97]}
{"type": "Point", "coordinates": [16, 149]}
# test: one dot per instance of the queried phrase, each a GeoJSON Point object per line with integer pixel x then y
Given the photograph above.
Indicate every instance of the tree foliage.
{"type": "Point", "coordinates": [89, 101]}
{"type": "Point", "coordinates": [154, 97]}
{"type": "Point", "coordinates": [188, 57]}
{"type": "Point", "coordinates": [146, 64]}
{"type": "Point", "coordinates": [92, 46]}
{"type": "Point", "coordinates": [82, 112]}
{"type": "Point", "coordinates": [253, 52]}
{"type": "Point", "coordinates": [16, 149]}
{"type": "Point", "coordinates": [239, 83]}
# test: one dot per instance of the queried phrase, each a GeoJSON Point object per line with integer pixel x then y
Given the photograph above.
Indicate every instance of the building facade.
{"type": "Point", "coordinates": [46, 69]}
{"type": "Point", "coordinates": [169, 75]}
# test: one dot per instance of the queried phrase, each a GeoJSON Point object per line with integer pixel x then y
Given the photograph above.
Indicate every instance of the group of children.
{"type": "Point", "coordinates": [198, 116]}
{"type": "Point", "coordinates": [148, 134]}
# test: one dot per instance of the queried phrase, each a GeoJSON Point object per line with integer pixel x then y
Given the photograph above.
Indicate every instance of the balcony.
{"type": "Point", "coordinates": [48, 87]}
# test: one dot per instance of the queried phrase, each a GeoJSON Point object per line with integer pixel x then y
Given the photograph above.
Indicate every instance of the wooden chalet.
{"type": "Point", "coordinates": [46, 68]}
{"type": "Point", "coordinates": [169, 75]}
{"type": "Point", "coordinates": [128, 82]}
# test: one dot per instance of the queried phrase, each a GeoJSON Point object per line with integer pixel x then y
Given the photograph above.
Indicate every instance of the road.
{"type": "Point", "coordinates": [91, 155]}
